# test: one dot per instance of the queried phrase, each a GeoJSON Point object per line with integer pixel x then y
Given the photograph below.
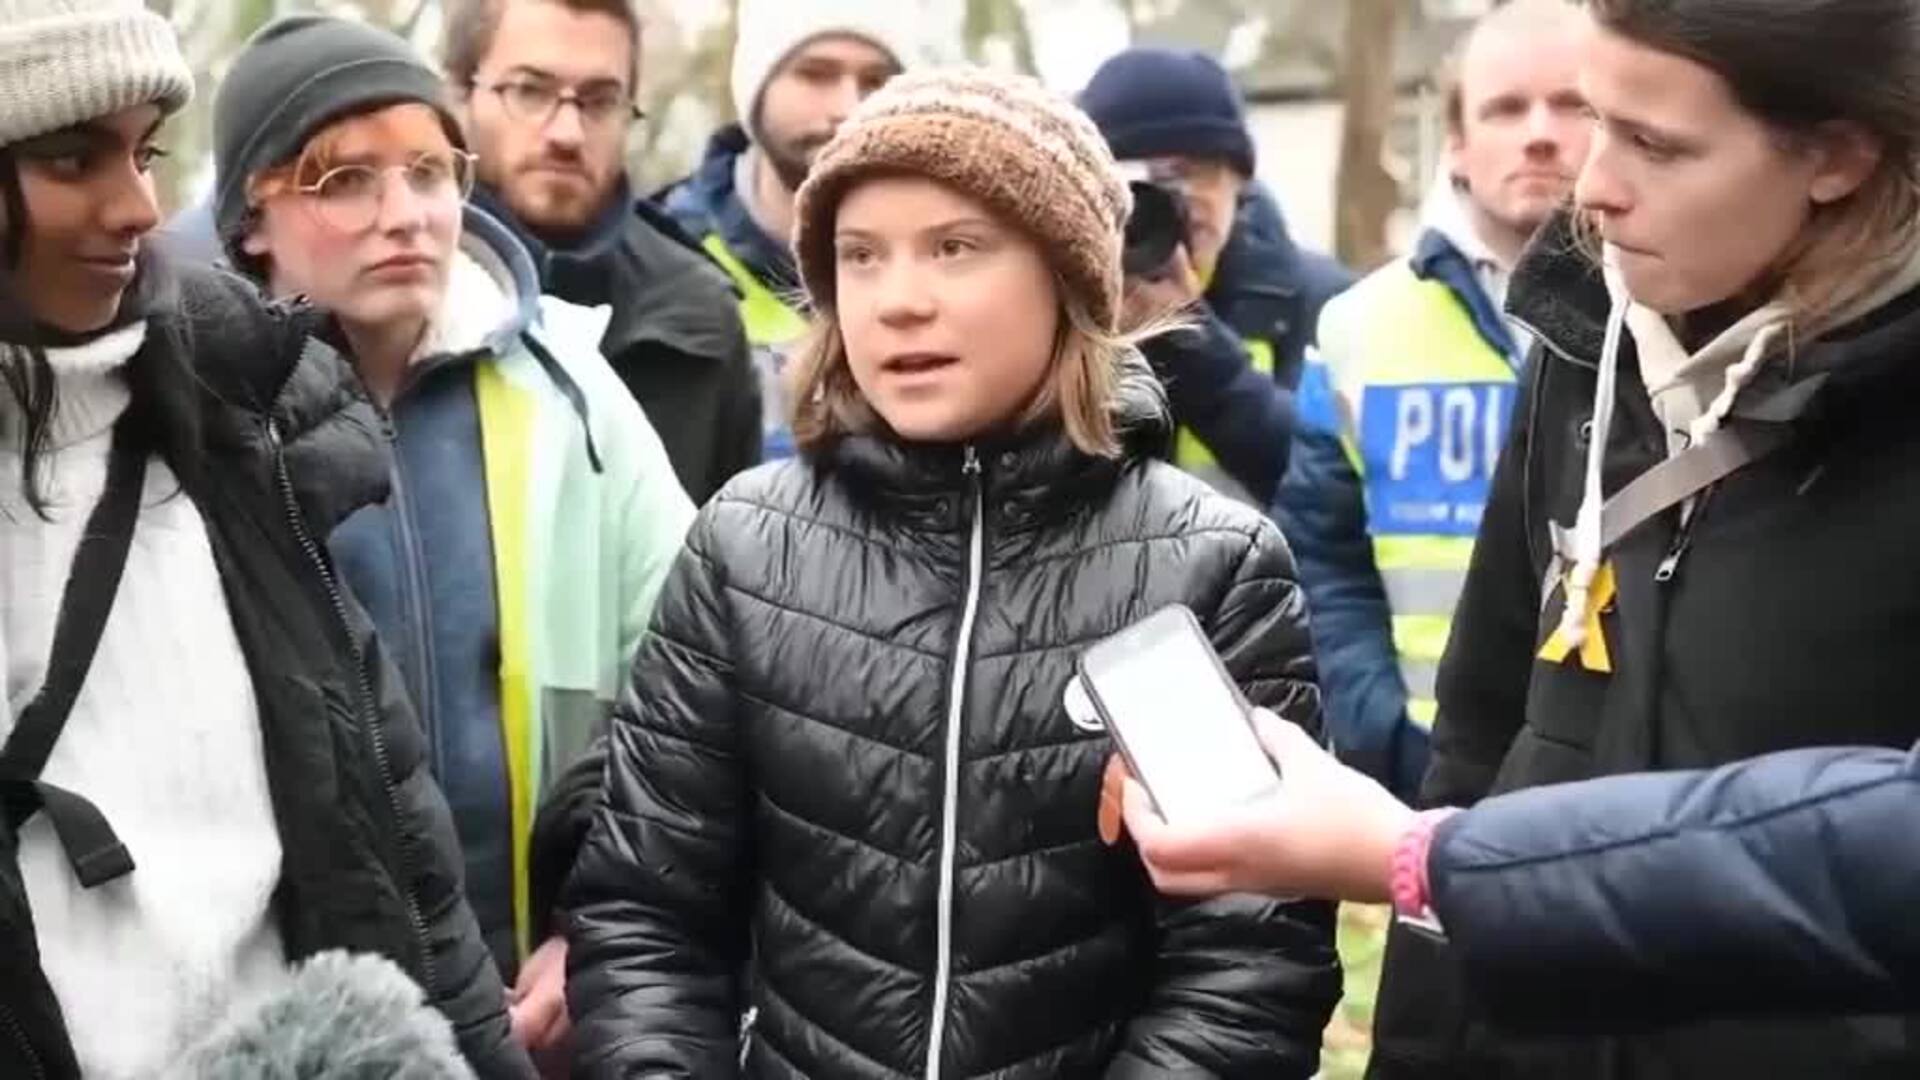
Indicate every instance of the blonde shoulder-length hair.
{"type": "Point", "coordinates": [1082, 387]}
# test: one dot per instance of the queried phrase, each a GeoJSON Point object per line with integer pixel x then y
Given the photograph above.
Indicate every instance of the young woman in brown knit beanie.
{"type": "Point", "coordinates": [844, 799]}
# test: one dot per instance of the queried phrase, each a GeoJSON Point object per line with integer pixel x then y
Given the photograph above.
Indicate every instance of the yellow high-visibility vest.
{"type": "Point", "coordinates": [772, 326]}
{"type": "Point", "coordinates": [1192, 455]}
{"type": "Point", "coordinates": [1423, 405]}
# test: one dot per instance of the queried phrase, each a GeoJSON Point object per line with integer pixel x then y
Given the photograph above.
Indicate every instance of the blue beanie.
{"type": "Point", "coordinates": [1153, 102]}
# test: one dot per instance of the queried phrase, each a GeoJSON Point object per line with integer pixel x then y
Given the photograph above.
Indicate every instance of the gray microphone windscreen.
{"type": "Point", "coordinates": [340, 1017]}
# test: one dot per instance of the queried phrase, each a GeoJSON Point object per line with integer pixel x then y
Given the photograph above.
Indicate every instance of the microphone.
{"type": "Point", "coordinates": [341, 1017]}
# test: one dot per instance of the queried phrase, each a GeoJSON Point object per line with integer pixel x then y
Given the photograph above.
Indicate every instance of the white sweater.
{"type": "Point", "coordinates": [164, 739]}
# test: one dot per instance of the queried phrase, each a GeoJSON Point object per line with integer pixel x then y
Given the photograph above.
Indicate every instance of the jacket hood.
{"type": "Point", "coordinates": [709, 203]}
{"type": "Point", "coordinates": [696, 201]}
{"type": "Point", "coordinates": [492, 296]}
{"type": "Point", "coordinates": [662, 288]}
{"type": "Point", "coordinates": [1039, 461]}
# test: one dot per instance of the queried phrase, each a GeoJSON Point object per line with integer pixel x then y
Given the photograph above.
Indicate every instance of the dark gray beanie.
{"type": "Point", "coordinates": [295, 76]}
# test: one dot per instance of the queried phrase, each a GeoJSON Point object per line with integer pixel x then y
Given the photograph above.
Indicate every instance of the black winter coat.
{"type": "Point", "coordinates": [1790, 618]}
{"type": "Point", "coordinates": [674, 337]}
{"type": "Point", "coordinates": [845, 794]}
{"type": "Point", "coordinates": [287, 446]}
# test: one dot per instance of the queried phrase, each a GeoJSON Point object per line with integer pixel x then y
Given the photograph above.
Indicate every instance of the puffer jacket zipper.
{"type": "Point", "coordinates": [19, 1034]}
{"type": "Point", "coordinates": [950, 803]}
{"type": "Point", "coordinates": [364, 703]}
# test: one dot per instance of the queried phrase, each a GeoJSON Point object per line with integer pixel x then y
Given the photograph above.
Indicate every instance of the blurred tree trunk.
{"type": "Point", "coordinates": [996, 23]}
{"type": "Point", "coordinates": [1367, 191]}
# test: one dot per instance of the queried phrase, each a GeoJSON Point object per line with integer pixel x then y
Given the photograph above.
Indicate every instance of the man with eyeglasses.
{"type": "Point", "coordinates": [546, 93]}
{"type": "Point", "coordinates": [799, 67]}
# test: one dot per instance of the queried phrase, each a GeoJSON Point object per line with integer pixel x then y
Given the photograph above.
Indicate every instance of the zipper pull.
{"type": "Point", "coordinates": [971, 465]}
{"type": "Point", "coordinates": [1670, 565]}
{"type": "Point", "coordinates": [273, 434]}
{"type": "Point", "coordinates": [1667, 567]}
{"type": "Point", "coordinates": [1690, 512]}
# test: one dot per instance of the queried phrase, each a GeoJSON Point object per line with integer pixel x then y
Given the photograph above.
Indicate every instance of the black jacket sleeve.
{"type": "Point", "coordinates": [1781, 884]}
{"type": "Point", "coordinates": [656, 904]}
{"type": "Point", "coordinates": [463, 981]}
{"type": "Point", "coordinates": [1482, 685]}
{"type": "Point", "coordinates": [1238, 411]}
{"type": "Point", "coordinates": [1245, 983]}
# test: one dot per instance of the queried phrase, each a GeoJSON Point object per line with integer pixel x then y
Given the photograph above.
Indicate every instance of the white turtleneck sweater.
{"type": "Point", "coordinates": [164, 739]}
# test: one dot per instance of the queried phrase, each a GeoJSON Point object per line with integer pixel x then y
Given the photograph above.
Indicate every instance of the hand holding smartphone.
{"type": "Point", "coordinates": [1179, 720]}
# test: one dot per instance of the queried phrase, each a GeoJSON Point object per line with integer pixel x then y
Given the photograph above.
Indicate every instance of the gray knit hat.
{"type": "Point", "coordinates": [64, 62]}
{"type": "Point", "coordinates": [295, 76]}
{"type": "Point", "coordinates": [1022, 150]}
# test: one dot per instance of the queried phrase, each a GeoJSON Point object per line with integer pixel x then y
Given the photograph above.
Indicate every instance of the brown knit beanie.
{"type": "Point", "coordinates": [1028, 154]}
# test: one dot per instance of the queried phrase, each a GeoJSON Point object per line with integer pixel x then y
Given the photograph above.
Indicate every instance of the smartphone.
{"type": "Point", "coordinates": [1177, 716]}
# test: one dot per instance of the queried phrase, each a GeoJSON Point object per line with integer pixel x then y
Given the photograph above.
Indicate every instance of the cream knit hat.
{"type": "Point", "coordinates": [770, 31]}
{"type": "Point", "coordinates": [1025, 152]}
{"type": "Point", "coordinates": [64, 62]}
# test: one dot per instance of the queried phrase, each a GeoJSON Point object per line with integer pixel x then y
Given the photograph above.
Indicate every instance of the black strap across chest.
{"type": "Point", "coordinates": [94, 850]}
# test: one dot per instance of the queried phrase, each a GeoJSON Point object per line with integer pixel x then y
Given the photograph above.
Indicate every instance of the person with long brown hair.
{"type": "Point", "coordinates": [1697, 546]}
{"type": "Point", "coordinates": [846, 797]}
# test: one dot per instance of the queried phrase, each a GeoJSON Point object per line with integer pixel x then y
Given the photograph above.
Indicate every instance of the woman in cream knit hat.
{"type": "Point", "coordinates": [206, 774]}
{"type": "Point", "coordinates": [845, 799]}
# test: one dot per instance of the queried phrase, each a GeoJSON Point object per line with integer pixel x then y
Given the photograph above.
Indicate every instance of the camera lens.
{"type": "Point", "coordinates": [1155, 230]}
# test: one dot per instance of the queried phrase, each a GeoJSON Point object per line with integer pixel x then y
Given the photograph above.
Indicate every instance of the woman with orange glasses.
{"type": "Point", "coordinates": [533, 514]}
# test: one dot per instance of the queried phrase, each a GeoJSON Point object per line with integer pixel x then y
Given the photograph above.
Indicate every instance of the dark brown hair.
{"type": "Point", "coordinates": [472, 24]}
{"type": "Point", "coordinates": [23, 367]}
{"type": "Point", "coordinates": [1797, 66]}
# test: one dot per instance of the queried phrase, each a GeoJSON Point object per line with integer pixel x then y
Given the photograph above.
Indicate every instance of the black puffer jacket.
{"type": "Point", "coordinates": [788, 793]}
{"type": "Point", "coordinates": [1784, 614]}
{"type": "Point", "coordinates": [286, 447]}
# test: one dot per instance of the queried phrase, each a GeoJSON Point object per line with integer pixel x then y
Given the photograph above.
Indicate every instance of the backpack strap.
{"type": "Point", "coordinates": [91, 846]}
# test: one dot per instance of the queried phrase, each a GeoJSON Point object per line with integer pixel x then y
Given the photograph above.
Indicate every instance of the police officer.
{"type": "Point", "coordinates": [1407, 397]}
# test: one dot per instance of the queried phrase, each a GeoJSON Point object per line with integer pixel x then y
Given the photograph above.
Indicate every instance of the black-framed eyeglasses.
{"type": "Point", "coordinates": [536, 101]}
{"type": "Point", "coordinates": [348, 197]}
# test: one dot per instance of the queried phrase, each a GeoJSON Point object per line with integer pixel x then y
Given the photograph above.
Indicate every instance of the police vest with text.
{"type": "Point", "coordinates": [1423, 402]}
{"type": "Point", "coordinates": [772, 325]}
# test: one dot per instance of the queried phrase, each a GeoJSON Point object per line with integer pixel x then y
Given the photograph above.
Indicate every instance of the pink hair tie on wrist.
{"type": "Point", "coordinates": [1408, 883]}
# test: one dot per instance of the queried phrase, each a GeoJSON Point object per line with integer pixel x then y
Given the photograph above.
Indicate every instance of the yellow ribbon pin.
{"type": "Point", "coordinates": [1593, 649]}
